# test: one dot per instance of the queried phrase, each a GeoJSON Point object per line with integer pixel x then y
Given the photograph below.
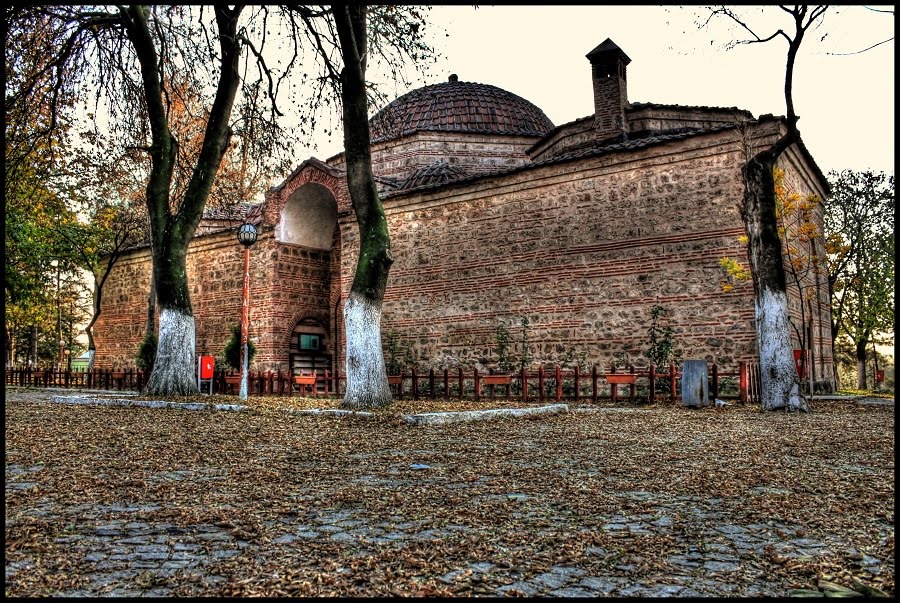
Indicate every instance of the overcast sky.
{"type": "Point", "coordinates": [845, 103]}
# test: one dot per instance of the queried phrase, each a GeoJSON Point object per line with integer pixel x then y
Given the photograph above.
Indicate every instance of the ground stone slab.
{"type": "Point", "coordinates": [440, 418]}
{"type": "Point", "coordinates": [91, 400]}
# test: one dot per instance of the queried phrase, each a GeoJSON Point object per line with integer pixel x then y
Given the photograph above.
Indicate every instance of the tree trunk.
{"type": "Point", "coordinates": [150, 326]}
{"type": "Point", "coordinates": [89, 329]}
{"type": "Point", "coordinates": [779, 383]}
{"type": "Point", "coordinates": [10, 347]}
{"type": "Point", "coordinates": [861, 380]}
{"type": "Point", "coordinates": [173, 369]}
{"type": "Point", "coordinates": [367, 384]}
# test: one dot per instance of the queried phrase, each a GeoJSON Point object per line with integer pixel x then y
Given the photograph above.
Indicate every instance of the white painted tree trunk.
{"type": "Point", "coordinates": [367, 384]}
{"type": "Point", "coordinates": [779, 383]}
{"type": "Point", "coordinates": [174, 371]}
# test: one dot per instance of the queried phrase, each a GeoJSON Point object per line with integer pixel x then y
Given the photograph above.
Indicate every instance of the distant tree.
{"type": "Point", "coordinates": [859, 226]}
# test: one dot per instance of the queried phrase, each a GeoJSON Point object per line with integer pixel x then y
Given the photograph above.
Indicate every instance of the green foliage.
{"type": "Point", "coordinates": [525, 359]}
{"type": "Point", "coordinates": [409, 358]}
{"type": "Point", "coordinates": [662, 341]}
{"type": "Point", "coordinates": [232, 350]}
{"type": "Point", "coordinates": [501, 341]}
{"type": "Point", "coordinates": [393, 347]}
{"type": "Point", "coordinates": [146, 355]}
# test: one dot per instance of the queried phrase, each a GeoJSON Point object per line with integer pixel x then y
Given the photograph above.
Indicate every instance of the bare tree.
{"type": "Point", "coordinates": [141, 62]}
{"type": "Point", "coordinates": [779, 382]}
{"type": "Point", "coordinates": [366, 376]}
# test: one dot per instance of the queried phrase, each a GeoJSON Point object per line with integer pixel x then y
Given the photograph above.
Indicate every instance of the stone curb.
{"type": "Point", "coordinates": [334, 412]}
{"type": "Point", "coordinates": [592, 410]}
{"type": "Point", "coordinates": [440, 418]}
{"type": "Point", "coordinates": [146, 403]}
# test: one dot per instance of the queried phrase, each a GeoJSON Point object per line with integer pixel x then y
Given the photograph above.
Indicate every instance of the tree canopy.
{"type": "Point", "coordinates": [859, 227]}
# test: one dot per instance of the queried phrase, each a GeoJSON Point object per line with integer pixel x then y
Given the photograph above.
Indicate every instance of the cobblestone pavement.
{"type": "Point", "coordinates": [120, 550]}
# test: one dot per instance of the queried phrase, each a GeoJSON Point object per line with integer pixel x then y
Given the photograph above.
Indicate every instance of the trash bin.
{"type": "Point", "coordinates": [695, 383]}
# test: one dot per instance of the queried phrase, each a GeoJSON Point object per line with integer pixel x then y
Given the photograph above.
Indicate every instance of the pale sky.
{"type": "Point", "coordinates": [845, 103]}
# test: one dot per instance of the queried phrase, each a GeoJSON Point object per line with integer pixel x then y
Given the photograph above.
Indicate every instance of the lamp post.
{"type": "Point", "coordinates": [247, 237]}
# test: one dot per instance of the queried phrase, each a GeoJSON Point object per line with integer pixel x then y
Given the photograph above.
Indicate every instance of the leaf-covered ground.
{"type": "Point", "coordinates": [621, 501]}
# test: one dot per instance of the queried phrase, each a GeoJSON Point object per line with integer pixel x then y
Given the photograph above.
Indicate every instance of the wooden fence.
{"type": "Point", "coordinates": [554, 384]}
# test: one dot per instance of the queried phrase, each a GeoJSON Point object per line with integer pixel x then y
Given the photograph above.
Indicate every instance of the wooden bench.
{"type": "Point", "coordinates": [615, 380]}
{"type": "Point", "coordinates": [493, 380]}
{"type": "Point", "coordinates": [233, 382]}
{"type": "Point", "coordinates": [305, 381]}
{"type": "Point", "coordinates": [118, 379]}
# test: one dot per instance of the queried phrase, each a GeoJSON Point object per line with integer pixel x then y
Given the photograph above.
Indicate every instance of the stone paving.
{"type": "Point", "coordinates": [123, 554]}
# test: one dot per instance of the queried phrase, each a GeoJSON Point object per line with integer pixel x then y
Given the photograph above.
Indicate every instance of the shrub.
{"type": "Point", "coordinates": [233, 349]}
{"type": "Point", "coordinates": [146, 354]}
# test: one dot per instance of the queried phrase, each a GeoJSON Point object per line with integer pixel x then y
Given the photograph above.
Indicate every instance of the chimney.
{"type": "Point", "coordinates": [608, 64]}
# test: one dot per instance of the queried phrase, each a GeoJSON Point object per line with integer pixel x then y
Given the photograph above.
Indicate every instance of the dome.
{"type": "Point", "coordinates": [455, 106]}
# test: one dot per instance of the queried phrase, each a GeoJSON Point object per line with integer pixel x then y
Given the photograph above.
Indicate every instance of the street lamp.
{"type": "Point", "coordinates": [247, 237]}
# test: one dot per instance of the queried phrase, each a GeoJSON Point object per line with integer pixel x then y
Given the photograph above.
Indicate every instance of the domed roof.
{"type": "Point", "coordinates": [455, 106]}
{"type": "Point", "coordinates": [439, 172]}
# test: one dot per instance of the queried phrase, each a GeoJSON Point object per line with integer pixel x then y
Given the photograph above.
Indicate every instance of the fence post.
{"type": "Point", "coordinates": [633, 386]}
{"type": "Point", "coordinates": [594, 383]}
{"type": "Point", "coordinates": [742, 387]}
{"type": "Point", "coordinates": [715, 381]}
{"type": "Point", "coordinates": [523, 379]}
{"type": "Point", "coordinates": [613, 388]}
{"type": "Point", "coordinates": [672, 380]}
{"type": "Point", "coordinates": [558, 384]}
{"type": "Point", "coordinates": [431, 382]}
{"type": "Point", "coordinates": [577, 383]}
{"type": "Point", "coordinates": [461, 383]}
{"type": "Point", "coordinates": [541, 383]}
{"type": "Point", "coordinates": [446, 383]}
{"type": "Point", "coordinates": [652, 375]}
{"type": "Point", "coordinates": [415, 384]}
{"type": "Point", "coordinates": [477, 386]}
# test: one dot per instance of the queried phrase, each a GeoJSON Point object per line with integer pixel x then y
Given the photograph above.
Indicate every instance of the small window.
{"type": "Point", "coordinates": [308, 341]}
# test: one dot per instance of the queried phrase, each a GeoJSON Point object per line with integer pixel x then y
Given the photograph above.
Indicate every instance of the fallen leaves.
{"type": "Point", "coordinates": [523, 495]}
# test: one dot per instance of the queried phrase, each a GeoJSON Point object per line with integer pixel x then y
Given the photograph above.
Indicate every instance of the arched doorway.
{"type": "Point", "coordinates": [309, 217]}
{"type": "Point", "coordinates": [310, 347]}
{"type": "Point", "coordinates": [309, 268]}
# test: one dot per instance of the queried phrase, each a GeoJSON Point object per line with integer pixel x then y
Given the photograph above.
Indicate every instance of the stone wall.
{"type": "Point", "coordinates": [288, 283]}
{"type": "Point", "coordinates": [584, 249]}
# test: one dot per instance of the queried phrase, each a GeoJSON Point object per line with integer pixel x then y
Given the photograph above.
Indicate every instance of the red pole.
{"type": "Point", "coordinates": [742, 391]}
{"type": "Point", "coordinates": [245, 323]}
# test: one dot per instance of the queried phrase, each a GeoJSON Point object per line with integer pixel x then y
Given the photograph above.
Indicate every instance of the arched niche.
{"type": "Point", "coordinates": [309, 217]}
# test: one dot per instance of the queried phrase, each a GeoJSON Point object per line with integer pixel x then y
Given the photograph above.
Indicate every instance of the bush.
{"type": "Point", "coordinates": [233, 349]}
{"type": "Point", "coordinates": [146, 354]}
